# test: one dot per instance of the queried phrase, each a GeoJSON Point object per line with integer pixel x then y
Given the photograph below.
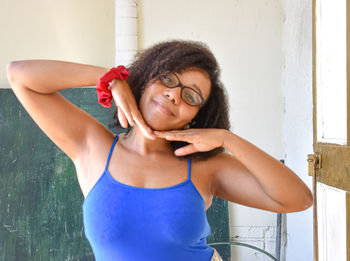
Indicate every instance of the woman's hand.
{"type": "Point", "coordinates": [128, 111]}
{"type": "Point", "coordinates": [200, 139]}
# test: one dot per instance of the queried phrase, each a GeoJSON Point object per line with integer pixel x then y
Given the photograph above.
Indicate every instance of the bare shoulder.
{"type": "Point", "coordinates": [222, 161]}
{"type": "Point", "coordinates": [90, 164]}
{"type": "Point", "coordinates": [210, 168]}
{"type": "Point", "coordinates": [97, 141]}
{"type": "Point", "coordinates": [229, 175]}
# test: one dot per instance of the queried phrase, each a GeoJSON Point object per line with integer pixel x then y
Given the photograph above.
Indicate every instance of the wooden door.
{"type": "Point", "coordinates": [331, 127]}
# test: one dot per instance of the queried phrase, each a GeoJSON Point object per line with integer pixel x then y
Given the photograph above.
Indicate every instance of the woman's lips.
{"type": "Point", "coordinates": [163, 108]}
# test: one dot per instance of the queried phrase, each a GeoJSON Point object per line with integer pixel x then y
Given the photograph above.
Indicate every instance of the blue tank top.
{"type": "Point", "coordinates": [128, 223]}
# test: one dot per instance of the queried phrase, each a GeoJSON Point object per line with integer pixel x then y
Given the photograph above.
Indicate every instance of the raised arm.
{"type": "Point", "coordinates": [50, 76]}
{"type": "Point", "coordinates": [36, 84]}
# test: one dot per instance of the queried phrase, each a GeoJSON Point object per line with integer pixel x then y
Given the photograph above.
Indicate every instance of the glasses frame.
{"type": "Point", "coordinates": [182, 88]}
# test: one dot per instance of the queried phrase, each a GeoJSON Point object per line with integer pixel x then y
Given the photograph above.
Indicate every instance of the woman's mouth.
{"type": "Point", "coordinates": [163, 108]}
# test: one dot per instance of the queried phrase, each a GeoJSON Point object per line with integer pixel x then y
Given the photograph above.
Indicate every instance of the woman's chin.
{"type": "Point", "coordinates": [160, 124]}
{"type": "Point", "coordinates": [156, 125]}
{"type": "Point", "coordinates": [160, 127]}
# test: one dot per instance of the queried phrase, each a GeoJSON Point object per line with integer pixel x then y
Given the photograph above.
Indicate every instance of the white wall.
{"type": "Point", "coordinates": [78, 31]}
{"type": "Point", "coordinates": [245, 36]}
{"type": "Point", "coordinates": [297, 89]}
{"type": "Point", "coordinates": [263, 47]}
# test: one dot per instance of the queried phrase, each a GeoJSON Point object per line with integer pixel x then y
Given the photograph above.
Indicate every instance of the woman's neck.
{"type": "Point", "coordinates": [137, 142]}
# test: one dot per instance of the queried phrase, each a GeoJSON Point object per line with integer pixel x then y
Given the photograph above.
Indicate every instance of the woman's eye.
{"type": "Point", "coordinates": [167, 78]}
{"type": "Point", "coordinates": [190, 97]}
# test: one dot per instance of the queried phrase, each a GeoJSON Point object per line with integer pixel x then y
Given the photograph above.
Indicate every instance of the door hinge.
{"type": "Point", "coordinates": [314, 163]}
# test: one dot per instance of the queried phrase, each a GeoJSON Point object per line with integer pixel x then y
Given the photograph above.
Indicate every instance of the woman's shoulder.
{"type": "Point", "coordinates": [98, 143]}
{"type": "Point", "coordinates": [209, 165]}
{"type": "Point", "coordinates": [212, 161]}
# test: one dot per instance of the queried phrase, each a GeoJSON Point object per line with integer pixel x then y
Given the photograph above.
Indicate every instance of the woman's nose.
{"type": "Point", "coordinates": [173, 94]}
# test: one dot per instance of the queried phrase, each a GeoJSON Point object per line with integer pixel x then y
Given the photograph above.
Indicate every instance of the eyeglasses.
{"type": "Point", "coordinates": [188, 94]}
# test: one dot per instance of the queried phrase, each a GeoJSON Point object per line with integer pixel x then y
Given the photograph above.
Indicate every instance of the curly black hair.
{"type": "Point", "coordinates": [177, 56]}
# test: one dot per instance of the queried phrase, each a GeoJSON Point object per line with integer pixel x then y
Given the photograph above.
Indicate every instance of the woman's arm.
{"type": "Point", "coordinates": [250, 176]}
{"type": "Point", "coordinates": [36, 83]}
{"type": "Point", "coordinates": [281, 184]}
{"type": "Point", "coordinates": [49, 76]}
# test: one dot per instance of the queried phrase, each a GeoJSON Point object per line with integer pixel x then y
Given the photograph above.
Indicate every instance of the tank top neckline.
{"type": "Point", "coordinates": [188, 180]}
{"type": "Point", "coordinates": [106, 174]}
{"type": "Point", "coordinates": [143, 188]}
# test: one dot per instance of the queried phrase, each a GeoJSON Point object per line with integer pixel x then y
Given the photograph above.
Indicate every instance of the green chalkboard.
{"type": "Point", "coordinates": [40, 198]}
{"type": "Point", "coordinates": [218, 219]}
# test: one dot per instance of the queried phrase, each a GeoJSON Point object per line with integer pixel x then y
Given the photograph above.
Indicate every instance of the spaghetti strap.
{"type": "Point", "coordinates": [189, 168]}
{"type": "Point", "coordinates": [110, 152]}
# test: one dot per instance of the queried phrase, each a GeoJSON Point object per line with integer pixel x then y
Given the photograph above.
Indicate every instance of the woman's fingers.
{"type": "Point", "coordinates": [184, 135]}
{"type": "Point", "coordinates": [122, 119]}
{"type": "Point", "coordinates": [127, 113]}
{"type": "Point", "coordinates": [189, 149]}
{"type": "Point", "coordinates": [133, 116]}
{"type": "Point", "coordinates": [121, 95]}
{"type": "Point", "coordinates": [146, 130]}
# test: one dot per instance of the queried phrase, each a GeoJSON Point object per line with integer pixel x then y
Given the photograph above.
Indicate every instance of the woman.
{"type": "Point", "coordinates": [149, 202]}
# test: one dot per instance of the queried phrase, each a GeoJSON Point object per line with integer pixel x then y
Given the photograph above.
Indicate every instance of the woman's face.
{"type": "Point", "coordinates": [181, 113]}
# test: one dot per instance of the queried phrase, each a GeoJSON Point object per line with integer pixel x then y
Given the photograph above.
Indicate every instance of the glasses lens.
{"type": "Point", "coordinates": [169, 79]}
{"type": "Point", "coordinates": [191, 97]}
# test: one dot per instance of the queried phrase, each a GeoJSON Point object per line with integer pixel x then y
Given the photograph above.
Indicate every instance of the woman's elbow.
{"type": "Point", "coordinates": [299, 205]}
{"type": "Point", "coordinates": [11, 69]}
